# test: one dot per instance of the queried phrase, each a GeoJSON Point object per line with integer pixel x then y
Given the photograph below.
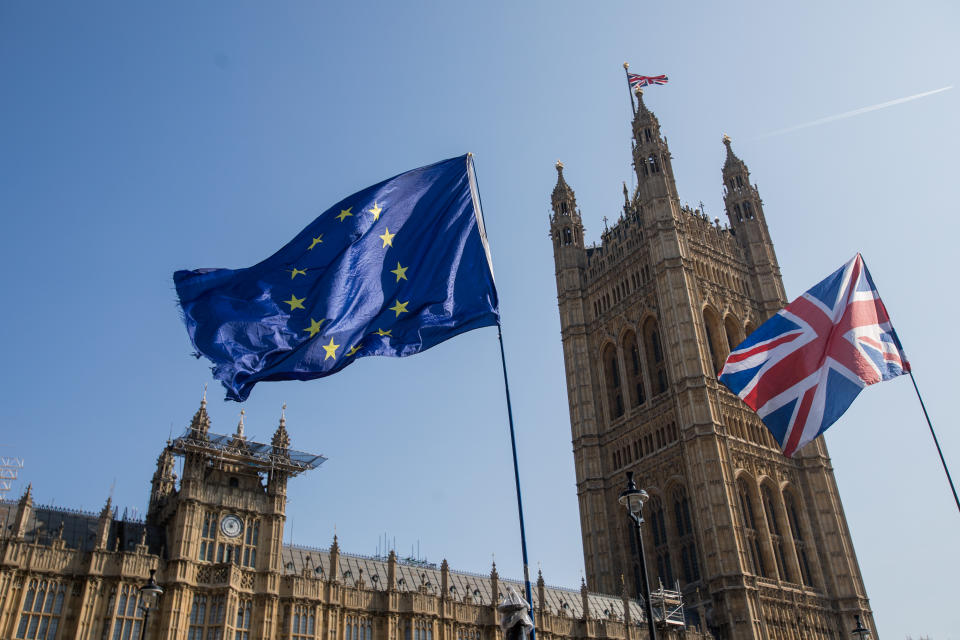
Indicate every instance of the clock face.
{"type": "Point", "coordinates": [231, 526]}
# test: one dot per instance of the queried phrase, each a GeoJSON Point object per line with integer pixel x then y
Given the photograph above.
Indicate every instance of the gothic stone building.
{"type": "Point", "coordinates": [647, 318]}
{"type": "Point", "coordinates": [215, 538]}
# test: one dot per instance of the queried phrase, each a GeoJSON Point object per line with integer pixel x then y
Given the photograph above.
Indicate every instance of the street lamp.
{"type": "Point", "coordinates": [632, 500]}
{"type": "Point", "coordinates": [149, 597]}
{"type": "Point", "coordinates": [860, 632]}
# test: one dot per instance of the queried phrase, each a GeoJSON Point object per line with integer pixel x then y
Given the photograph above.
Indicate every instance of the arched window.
{"type": "Point", "coordinates": [634, 370]}
{"type": "Point", "coordinates": [654, 164]}
{"type": "Point", "coordinates": [717, 355]}
{"type": "Point", "coordinates": [799, 543]}
{"type": "Point", "coordinates": [776, 536]}
{"type": "Point", "coordinates": [611, 370]}
{"type": "Point", "coordinates": [754, 554]}
{"type": "Point", "coordinates": [648, 135]}
{"type": "Point", "coordinates": [658, 372]}
{"type": "Point", "coordinates": [748, 210]}
{"type": "Point", "coordinates": [732, 328]}
{"type": "Point", "coordinates": [683, 523]}
{"type": "Point", "coordinates": [658, 529]}
{"type": "Point", "coordinates": [567, 236]}
{"type": "Point", "coordinates": [42, 608]}
{"type": "Point", "coordinates": [242, 628]}
{"type": "Point", "coordinates": [303, 623]}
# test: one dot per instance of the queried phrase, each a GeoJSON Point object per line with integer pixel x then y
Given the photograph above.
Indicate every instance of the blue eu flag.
{"type": "Point", "coordinates": [392, 270]}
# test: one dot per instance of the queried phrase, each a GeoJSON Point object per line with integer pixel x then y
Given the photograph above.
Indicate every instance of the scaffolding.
{"type": "Point", "coordinates": [9, 469]}
{"type": "Point", "coordinates": [667, 606]}
{"type": "Point", "coordinates": [239, 450]}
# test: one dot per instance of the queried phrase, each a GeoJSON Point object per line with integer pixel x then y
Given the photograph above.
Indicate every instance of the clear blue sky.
{"type": "Point", "coordinates": [141, 138]}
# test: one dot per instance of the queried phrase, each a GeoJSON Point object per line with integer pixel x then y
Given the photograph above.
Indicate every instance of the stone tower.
{"type": "Point", "coordinates": [757, 542]}
{"type": "Point", "coordinates": [224, 527]}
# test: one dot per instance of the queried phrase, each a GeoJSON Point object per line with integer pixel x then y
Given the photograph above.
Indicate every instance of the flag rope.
{"type": "Point", "coordinates": [516, 476]}
{"type": "Point", "coordinates": [935, 441]}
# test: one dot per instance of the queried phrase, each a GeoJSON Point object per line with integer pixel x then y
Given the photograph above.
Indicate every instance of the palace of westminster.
{"type": "Point", "coordinates": [748, 543]}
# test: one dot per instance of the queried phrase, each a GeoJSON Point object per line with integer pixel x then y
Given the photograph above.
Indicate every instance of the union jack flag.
{"type": "Point", "coordinates": [803, 367]}
{"type": "Point", "coordinates": [643, 81]}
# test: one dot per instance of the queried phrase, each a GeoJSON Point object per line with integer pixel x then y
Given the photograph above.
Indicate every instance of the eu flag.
{"type": "Point", "coordinates": [391, 270]}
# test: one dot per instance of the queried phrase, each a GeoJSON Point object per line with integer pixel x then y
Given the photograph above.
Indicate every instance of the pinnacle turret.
{"type": "Point", "coordinates": [200, 423]}
{"type": "Point", "coordinates": [281, 439]}
{"type": "Point", "coordinates": [563, 199]}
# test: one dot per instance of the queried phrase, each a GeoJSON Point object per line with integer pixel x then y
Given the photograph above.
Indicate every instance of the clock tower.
{"type": "Point", "coordinates": [224, 527]}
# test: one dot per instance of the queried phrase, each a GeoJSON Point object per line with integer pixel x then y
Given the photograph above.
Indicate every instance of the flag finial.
{"type": "Point", "coordinates": [626, 65]}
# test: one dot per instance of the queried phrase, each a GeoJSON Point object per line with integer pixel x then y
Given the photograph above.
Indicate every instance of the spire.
{"type": "Point", "coordinates": [27, 497]}
{"type": "Point", "coordinates": [107, 507]}
{"type": "Point", "coordinates": [200, 424]}
{"type": "Point", "coordinates": [281, 439]}
{"type": "Point", "coordinates": [641, 107]}
{"type": "Point", "coordinates": [240, 425]}
{"type": "Point", "coordinates": [732, 160]}
{"type": "Point", "coordinates": [563, 199]}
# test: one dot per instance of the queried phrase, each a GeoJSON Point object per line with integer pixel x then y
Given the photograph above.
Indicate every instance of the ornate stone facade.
{"type": "Point", "coordinates": [215, 538]}
{"type": "Point", "coordinates": [648, 317]}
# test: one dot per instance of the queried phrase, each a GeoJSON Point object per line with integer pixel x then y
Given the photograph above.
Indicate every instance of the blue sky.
{"type": "Point", "coordinates": [137, 139]}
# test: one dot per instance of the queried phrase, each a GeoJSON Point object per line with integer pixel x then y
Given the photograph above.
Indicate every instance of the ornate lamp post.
{"type": "Point", "coordinates": [149, 597]}
{"type": "Point", "coordinates": [632, 500]}
{"type": "Point", "coordinates": [860, 632]}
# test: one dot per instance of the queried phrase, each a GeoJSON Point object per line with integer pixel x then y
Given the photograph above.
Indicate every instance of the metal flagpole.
{"type": "Point", "coordinates": [516, 475]}
{"type": "Point", "coordinates": [932, 433]}
{"type": "Point", "coordinates": [633, 105]}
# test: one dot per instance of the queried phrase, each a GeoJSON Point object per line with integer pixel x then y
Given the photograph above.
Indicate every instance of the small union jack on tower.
{"type": "Point", "coordinates": [644, 81]}
{"type": "Point", "coordinates": [804, 366]}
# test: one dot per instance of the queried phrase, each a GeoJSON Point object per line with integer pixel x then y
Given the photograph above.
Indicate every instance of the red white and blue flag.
{"type": "Point", "coordinates": [643, 81]}
{"type": "Point", "coordinates": [803, 367]}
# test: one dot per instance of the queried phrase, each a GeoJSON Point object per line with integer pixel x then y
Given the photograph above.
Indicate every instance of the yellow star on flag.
{"type": "Point", "coordinates": [294, 302]}
{"type": "Point", "coordinates": [316, 241]}
{"type": "Point", "coordinates": [314, 327]}
{"type": "Point", "coordinates": [353, 351]}
{"type": "Point", "coordinates": [331, 350]}
{"type": "Point", "coordinates": [381, 332]}
{"type": "Point", "coordinates": [344, 214]}
{"type": "Point", "coordinates": [400, 307]}
{"type": "Point", "coordinates": [387, 237]}
{"type": "Point", "coordinates": [298, 272]}
{"type": "Point", "coordinates": [375, 211]}
{"type": "Point", "coordinates": [401, 272]}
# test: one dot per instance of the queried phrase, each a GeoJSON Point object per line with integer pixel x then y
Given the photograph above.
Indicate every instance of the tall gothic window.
{"type": "Point", "coordinates": [634, 370]}
{"type": "Point", "coordinates": [658, 528]}
{"type": "Point", "coordinates": [303, 622]}
{"type": "Point", "coordinates": [206, 617]}
{"type": "Point", "coordinates": [242, 627]}
{"type": "Point", "coordinates": [207, 535]}
{"type": "Point", "coordinates": [683, 522]}
{"type": "Point", "coordinates": [611, 367]}
{"type": "Point", "coordinates": [711, 323]}
{"type": "Point", "coordinates": [798, 542]}
{"type": "Point", "coordinates": [658, 372]}
{"type": "Point", "coordinates": [776, 537]}
{"type": "Point", "coordinates": [754, 553]}
{"type": "Point", "coordinates": [126, 625]}
{"type": "Point", "coordinates": [731, 327]}
{"type": "Point", "coordinates": [42, 607]}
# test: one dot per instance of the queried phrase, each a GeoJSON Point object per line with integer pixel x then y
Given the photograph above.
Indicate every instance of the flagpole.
{"type": "Point", "coordinates": [516, 476]}
{"type": "Point", "coordinates": [626, 70]}
{"type": "Point", "coordinates": [935, 441]}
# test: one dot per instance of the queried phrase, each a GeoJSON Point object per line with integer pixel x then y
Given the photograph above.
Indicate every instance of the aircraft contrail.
{"type": "Point", "coordinates": [856, 112]}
